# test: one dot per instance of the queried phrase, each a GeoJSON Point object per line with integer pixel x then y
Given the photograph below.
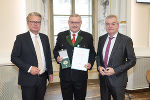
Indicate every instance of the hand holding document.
{"type": "Point", "coordinates": [80, 58]}
{"type": "Point", "coordinates": [65, 63]}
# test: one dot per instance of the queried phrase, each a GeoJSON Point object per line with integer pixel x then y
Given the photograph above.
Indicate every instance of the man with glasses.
{"type": "Point", "coordinates": [31, 54]}
{"type": "Point", "coordinates": [74, 82]}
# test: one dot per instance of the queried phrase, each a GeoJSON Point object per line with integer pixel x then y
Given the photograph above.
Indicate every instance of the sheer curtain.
{"type": "Point", "coordinates": [40, 6]}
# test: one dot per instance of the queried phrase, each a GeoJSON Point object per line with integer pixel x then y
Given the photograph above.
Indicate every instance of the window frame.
{"type": "Point", "coordinates": [95, 9]}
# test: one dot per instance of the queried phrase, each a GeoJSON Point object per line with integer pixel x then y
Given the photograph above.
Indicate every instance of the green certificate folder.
{"type": "Point", "coordinates": [65, 63]}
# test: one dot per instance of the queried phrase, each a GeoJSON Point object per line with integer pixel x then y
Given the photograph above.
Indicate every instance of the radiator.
{"type": "Point", "coordinates": [9, 89]}
{"type": "Point", "coordinates": [137, 74]}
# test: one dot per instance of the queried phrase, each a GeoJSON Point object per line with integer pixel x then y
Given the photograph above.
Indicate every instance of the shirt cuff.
{"type": "Point", "coordinates": [29, 69]}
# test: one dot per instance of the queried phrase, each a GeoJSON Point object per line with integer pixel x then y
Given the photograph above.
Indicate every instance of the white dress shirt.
{"type": "Point", "coordinates": [111, 46]}
{"type": "Point", "coordinates": [74, 33]}
{"type": "Point", "coordinates": [41, 48]}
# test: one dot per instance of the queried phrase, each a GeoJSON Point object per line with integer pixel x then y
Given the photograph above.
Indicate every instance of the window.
{"type": "Point", "coordinates": [62, 9]}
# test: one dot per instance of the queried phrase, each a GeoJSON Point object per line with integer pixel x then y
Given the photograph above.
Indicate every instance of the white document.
{"type": "Point", "coordinates": [63, 53]}
{"type": "Point", "coordinates": [80, 58]}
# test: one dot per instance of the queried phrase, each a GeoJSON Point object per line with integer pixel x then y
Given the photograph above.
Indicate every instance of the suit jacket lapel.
{"type": "Point", "coordinates": [79, 38]}
{"type": "Point", "coordinates": [42, 41]}
{"type": "Point", "coordinates": [68, 38]}
{"type": "Point", "coordinates": [30, 42]}
{"type": "Point", "coordinates": [102, 43]}
{"type": "Point", "coordinates": [116, 45]}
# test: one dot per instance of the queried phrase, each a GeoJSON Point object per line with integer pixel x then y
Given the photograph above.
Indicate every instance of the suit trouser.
{"type": "Point", "coordinates": [35, 92]}
{"type": "Point", "coordinates": [74, 89]}
{"type": "Point", "coordinates": [117, 91]}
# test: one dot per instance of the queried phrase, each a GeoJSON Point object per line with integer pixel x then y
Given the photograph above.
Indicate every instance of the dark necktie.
{"type": "Point", "coordinates": [107, 52]}
{"type": "Point", "coordinates": [73, 40]}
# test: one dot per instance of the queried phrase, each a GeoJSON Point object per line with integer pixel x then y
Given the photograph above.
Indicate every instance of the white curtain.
{"type": "Point", "coordinates": [40, 6]}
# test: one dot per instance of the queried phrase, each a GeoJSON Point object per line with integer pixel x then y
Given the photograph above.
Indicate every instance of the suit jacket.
{"type": "Point", "coordinates": [84, 40]}
{"type": "Point", "coordinates": [121, 59]}
{"type": "Point", "coordinates": [24, 56]}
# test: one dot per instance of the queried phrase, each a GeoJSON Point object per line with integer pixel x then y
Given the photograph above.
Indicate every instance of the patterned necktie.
{"type": "Point", "coordinates": [107, 52]}
{"type": "Point", "coordinates": [73, 40]}
{"type": "Point", "coordinates": [38, 54]}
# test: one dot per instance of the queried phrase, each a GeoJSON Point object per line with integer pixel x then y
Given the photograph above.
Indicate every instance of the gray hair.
{"type": "Point", "coordinates": [33, 14]}
{"type": "Point", "coordinates": [113, 16]}
{"type": "Point", "coordinates": [74, 15]}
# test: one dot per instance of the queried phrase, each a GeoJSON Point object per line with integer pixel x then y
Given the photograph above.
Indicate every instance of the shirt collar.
{"type": "Point", "coordinates": [114, 35]}
{"type": "Point", "coordinates": [33, 35]}
{"type": "Point", "coordinates": [75, 33]}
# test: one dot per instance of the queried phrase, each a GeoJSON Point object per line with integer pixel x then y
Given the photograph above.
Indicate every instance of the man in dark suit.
{"type": "Point", "coordinates": [74, 82]}
{"type": "Point", "coordinates": [115, 56]}
{"type": "Point", "coordinates": [31, 54]}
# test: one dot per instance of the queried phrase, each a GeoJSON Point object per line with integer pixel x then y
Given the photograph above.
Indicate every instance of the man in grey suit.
{"type": "Point", "coordinates": [31, 54]}
{"type": "Point", "coordinates": [115, 56]}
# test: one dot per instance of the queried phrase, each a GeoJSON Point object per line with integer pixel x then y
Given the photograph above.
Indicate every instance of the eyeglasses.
{"type": "Point", "coordinates": [35, 22]}
{"type": "Point", "coordinates": [111, 24]}
{"type": "Point", "coordinates": [74, 22]}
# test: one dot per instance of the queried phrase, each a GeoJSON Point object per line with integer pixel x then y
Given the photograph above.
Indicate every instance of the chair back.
{"type": "Point", "coordinates": [148, 75]}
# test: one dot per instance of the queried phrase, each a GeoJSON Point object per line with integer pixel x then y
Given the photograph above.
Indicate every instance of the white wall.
{"type": "Point", "coordinates": [140, 27]}
{"type": "Point", "coordinates": [12, 22]}
{"type": "Point", "coordinates": [140, 23]}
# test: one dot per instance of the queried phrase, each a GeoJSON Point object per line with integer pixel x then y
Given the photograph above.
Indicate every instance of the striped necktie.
{"type": "Point", "coordinates": [107, 52]}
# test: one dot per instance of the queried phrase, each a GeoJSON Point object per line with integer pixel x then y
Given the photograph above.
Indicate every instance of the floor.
{"type": "Point", "coordinates": [93, 93]}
